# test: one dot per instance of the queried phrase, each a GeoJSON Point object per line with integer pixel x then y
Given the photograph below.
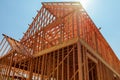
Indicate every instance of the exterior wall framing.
{"type": "Point", "coordinates": [62, 43]}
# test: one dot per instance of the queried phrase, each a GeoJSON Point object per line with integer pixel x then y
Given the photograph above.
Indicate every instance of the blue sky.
{"type": "Point", "coordinates": [15, 15]}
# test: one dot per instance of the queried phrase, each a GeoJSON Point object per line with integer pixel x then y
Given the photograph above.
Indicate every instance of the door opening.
{"type": "Point", "coordinates": [92, 70]}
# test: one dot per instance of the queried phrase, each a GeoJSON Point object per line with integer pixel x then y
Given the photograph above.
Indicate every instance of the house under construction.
{"type": "Point", "coordinates": [62, 43]}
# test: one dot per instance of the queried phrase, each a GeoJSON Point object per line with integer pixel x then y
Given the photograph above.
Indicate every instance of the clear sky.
{"type": "Point", "coordinates": [15, 15]}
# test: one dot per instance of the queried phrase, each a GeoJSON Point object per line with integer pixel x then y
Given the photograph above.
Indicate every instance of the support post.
{"type": "Point", "coordinates": [31, 68]}
{"type": "Point", "coordinates": [79, 61]}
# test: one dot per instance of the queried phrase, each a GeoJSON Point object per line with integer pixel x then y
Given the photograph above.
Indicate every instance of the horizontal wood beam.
{"type": "Point", "coordinates": [62, 45]}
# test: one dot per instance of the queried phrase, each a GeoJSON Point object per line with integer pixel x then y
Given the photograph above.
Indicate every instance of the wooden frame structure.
{"type": "Point", "coordinates": [62, 43]}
